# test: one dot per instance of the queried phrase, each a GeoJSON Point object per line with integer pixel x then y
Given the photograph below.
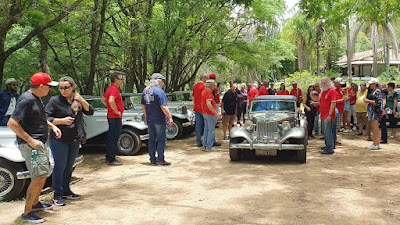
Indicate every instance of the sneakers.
{"type": "Point", "coordinates": [115, 163]}
{"type": "Point", "coordinates": [226, 138]}
{"type": "Point", "coordinates": [373, 147]}
{"type": "Point", "coordinates": [59, 200]}
{"type": "Point", "coordinates": [354, 128]}
{"type": "Point", "coordinates": [163, 163]}
{"type": "Point", "coordinates": [32, 218]}
{"type": "Point", "coordinates": [71, 196]}
{"type": "Point", "coordinates": [211, 150]}
{"type": "Point", "coordinates": [347, 131]}
{"type": "Point", "coordinates": [41, 206]}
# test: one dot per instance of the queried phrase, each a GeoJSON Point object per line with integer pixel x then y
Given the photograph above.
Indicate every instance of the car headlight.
{"type": "Point", "coordinates": [248, 125]}
{"type": "Point", "coordinates": [275, 135]}
{"type": "Point", "coordinates": [178, 110]}
{"type": "Point", "coordinates": [286, 125]}
{"type": "Point", "coordinates": [255, 136]}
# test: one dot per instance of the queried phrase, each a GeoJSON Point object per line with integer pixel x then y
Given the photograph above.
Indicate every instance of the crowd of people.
{"type": "Point", "coordinates": [330, 107]}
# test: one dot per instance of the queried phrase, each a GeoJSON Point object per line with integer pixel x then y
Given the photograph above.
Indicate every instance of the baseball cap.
{"type": "Point", "coordinates": [11, 81]}
{"type": "Point", "coordinates": [294, 82]}
{"type": "Point", "coordinates": [373, 81]}
{"type": "Point", "coordinates": [339, 80]}
{"type": "Point", "coordinates": [42, 78]}
{"type": "Point", "coordinates": [210, 81]}
{"type": "Point", "coordinates": [212, 76]}
{"type": "Point", "coordinates": [157, 76]}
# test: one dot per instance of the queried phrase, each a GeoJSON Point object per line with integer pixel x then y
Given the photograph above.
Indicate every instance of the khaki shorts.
{"type": "Point", "coordinates": [42, 167]}
{"type": "Point", "coordinates": [227, 119]}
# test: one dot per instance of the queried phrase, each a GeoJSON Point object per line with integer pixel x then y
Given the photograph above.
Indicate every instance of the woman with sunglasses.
{"type": "Point", "coordinates": [65, 111]}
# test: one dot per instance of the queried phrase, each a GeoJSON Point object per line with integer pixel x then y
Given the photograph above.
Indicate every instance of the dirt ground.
{"type": "Point", "coordinates": [353, 186]}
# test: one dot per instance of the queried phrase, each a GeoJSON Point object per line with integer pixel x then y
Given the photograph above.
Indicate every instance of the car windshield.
{"type": "Point", "coordinates": [260, 106]}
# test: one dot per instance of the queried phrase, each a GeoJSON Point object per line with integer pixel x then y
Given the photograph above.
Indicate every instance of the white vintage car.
{"type": "Point", "coordinates": [134, 129]}
{"type": "Point", "coordinates": [14, 176]}
{"type": "Point", "coordinates": [274, 125]}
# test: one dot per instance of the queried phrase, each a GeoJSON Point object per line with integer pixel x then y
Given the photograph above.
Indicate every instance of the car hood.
{"type": "Point", "coordinates": [270, 115]}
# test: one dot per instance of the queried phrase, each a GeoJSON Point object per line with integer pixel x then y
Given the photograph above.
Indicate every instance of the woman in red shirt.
{"type": "Point", "coordinates": [282, 90]}
{"type": "Point", "coordinates": [352, 99]}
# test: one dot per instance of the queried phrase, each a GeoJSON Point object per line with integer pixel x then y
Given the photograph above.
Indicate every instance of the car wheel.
{"type": "Point", "coordinates": [10, 186]}
{"type": "Point", "coordinates": [302, 154]}
{"type": "Point", "coordinates": [174, 131]}
{"type": "Point", "coordinates": [235, 154]}
{"type": "Point", "coordinates": [129, 142]}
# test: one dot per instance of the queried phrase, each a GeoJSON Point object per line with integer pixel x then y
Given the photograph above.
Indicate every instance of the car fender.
{"type": "Point", "coordinates": [11, 152]}
{"type": "Point", "coordinates": [135, 125]}
{"type": "Point", "coordinates": [179, 116]}
{"type": "Point", "coordinates": [295, 132]}
{"type": "Point", "coordinates": [240, 132]}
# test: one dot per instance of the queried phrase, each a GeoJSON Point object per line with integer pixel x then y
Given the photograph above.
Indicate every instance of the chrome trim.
{"type": "Point", "coordinates": [266, 146]}
{"type": "Point", "coordinates": [144, 137]}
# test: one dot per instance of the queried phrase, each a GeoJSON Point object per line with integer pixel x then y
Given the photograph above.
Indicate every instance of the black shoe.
{"type": "Point", "coordinates": [115, 163]}
{"type": "Point", "coordinates": [327, 153]}
{"type": "Point", "coordinates": [41, 206]}
{"type": "Point", "coordinates": [71, 196]}
{"type": "Point", "coordinates": [217, 143]}
{"type": "Point", "coordinates": [199, 144]}
{"type": "Point", "coordinates": [59, 200]}
{"type": "Point", "coordinates": [322, 148]}
{"type": "Point", "coordinates": [153, 164]}
{"type": "Point", "coordinates": [32, 218]}
{"type": "Point", "coordinates": [163, 163]}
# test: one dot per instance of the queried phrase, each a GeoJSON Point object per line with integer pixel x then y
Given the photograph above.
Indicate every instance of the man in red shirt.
{"type": "Point", "coordinates": [253, 93]}
{"type": "Point", "coordinates": [264, 89]}
{"type": "Point", "coordinates": [197, 89]}
{"type": "Point", "coordinates": [210, 115]}
{"type": "Point", "coordinates": [328, 117]}
{"type": "Point", "coordinates": [296, 92]}
{"type": "Point", "coordinates": [115, 107]}
{"type": "Point", "coordinates": [316, 119]}
{"type": "Point", "coordinates": [340, 101]}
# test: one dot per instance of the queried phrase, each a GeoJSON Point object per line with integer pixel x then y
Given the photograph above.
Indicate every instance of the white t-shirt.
{"type": "Point", "coordinates": [11, 107]}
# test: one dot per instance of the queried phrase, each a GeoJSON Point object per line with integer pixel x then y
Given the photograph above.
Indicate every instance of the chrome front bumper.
{"type": "Point", "coordinates": [260, 146]}
{"type": "Point", "coordinates": [26, 175]}
{"type": "Point", "coordinates": [144, 137]}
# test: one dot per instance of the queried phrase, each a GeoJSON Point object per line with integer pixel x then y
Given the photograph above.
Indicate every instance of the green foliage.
{"type": "Point", "coordinates": [304, 79]}
{"type": "Point", "coordinates": [394, 73]}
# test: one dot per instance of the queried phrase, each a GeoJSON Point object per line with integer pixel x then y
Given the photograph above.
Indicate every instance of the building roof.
{"type": "Point", "coordinates": [366, 58]}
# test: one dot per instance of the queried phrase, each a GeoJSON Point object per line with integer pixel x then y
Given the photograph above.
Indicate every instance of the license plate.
{"type": "Point", "coordinates": [266, 152]}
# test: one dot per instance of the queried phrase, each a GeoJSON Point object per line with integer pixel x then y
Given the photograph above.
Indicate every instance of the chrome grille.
{"type": "Point", "coordinates": [265, 128]}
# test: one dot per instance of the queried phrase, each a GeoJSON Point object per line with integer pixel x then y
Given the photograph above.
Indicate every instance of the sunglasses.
{"type": "Point", "coordinates": [64, 88]}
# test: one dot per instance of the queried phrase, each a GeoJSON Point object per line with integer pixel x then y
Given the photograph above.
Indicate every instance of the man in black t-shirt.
{"type": "Point", "coordinates": [29, 123]}
{"type": "Point", "coordinates": [228, 109]}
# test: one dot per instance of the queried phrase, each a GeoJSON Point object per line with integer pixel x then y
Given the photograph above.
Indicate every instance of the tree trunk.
{"type": "Point", "coordinates": [387, 61]}
{"type": "Point", "coordinates": [349, 66]}
{"type": "Point", "coordinates": [43, 53]}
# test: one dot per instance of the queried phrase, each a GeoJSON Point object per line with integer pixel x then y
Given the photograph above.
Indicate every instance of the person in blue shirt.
{"type": "Point", "coordinates": [8, 100]}
{"type": "Point", "coordinates": [157, 115]}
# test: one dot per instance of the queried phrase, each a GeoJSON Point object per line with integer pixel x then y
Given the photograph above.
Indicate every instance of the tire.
{"type": "Point", "coordinates": [235, 154]}
{"type": "Point", "coordinates": [129, 142]}
{"type": "Point", "coordinates": [10, 186]}
{"type": "Point", "coordinates": [174, 131]}
{"type": "Point", "coordinates": [302, 154]}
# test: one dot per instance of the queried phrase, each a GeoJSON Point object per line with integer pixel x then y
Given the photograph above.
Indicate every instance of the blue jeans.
{"type": "Point", "coordinates": [64, 154]}
{"type": "Point", "coordinates": [157, 138]}
{"type": "Point", "coordinates": [316, 119]}
{"type": "Point", "coordinates": [329, 134]}
{"type": "Point", "coordinates": [114, 130]}
{"type": "Point", "coordinates": [199, 126]}
{"type": "Point", "coordinates": [209, 130]}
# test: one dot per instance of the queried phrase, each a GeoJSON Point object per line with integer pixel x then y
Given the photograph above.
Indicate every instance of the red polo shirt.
{"type": "Point", "coordinates": [252, 94]}
{"type": "Point", "coordinates": [113, 90]}
{"type": "Point", "coordinates": [279, 92]}
{"type": "Point", "coordinates": [327, 97]}
{"type": "Point", "coordinates": [339, 95]}
{"type": "Point", "coordinates": [262, 91]}
{"type": "Point", "coordinates": [296, 92]}
{"type": "Point", "coordinates": [207, 94]}
{"type": "Point", "coordinates": [197, 89]}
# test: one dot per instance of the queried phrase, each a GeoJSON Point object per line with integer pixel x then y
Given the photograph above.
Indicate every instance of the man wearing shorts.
{"type": "Point", "coordinates": [228, 109]}
{"type": "Point", "coordinates": [29, 123]}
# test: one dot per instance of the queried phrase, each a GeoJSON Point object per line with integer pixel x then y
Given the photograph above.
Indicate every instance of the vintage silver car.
{"type": "Point", "coordinates": [134, 129]}
{"type": "Point", "coordinates": [184, 119]}
{"type": "Point", "coordinates": [274, 125]}
{"type": "Point", "coordinates": [14, 176]}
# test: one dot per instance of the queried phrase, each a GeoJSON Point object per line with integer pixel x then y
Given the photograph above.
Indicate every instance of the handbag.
{"type": "Point", "coordinates": [388, 111]}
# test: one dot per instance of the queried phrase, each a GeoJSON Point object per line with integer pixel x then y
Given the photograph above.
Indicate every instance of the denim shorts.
{"type": "Point", "coordinates": [41, 166]}
{"type": "Point", "coordinates": [347, 106]}
{"type": "Point", "coordinates": [372, 115]}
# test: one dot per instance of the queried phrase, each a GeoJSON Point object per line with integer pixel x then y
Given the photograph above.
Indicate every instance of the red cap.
{"type": "Point", "coordinates": [42, 78]}
{"type": "Point", "coordinates": [212, 76]}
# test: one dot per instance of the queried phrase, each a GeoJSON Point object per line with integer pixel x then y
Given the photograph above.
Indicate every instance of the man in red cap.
{"type": "Point", "coordinates": [30, 124]}
{"type": "Point", "coordinates": [216, 94]}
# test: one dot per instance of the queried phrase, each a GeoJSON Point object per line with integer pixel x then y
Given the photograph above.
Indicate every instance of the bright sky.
{"type": "Point", "coordinates": [290, 4]}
